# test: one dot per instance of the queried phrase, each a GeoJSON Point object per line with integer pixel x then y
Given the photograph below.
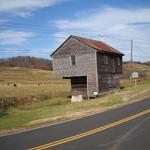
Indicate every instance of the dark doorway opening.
{"type": "Point", "coordinates": [79, 86]}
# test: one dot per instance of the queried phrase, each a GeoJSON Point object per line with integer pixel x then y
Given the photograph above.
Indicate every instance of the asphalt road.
{"type": "Point", "coordinates": [124, 128]}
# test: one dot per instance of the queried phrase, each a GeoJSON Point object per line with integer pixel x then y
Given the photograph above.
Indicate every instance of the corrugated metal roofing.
{"type": "Point", "coordinates": [98, 45]}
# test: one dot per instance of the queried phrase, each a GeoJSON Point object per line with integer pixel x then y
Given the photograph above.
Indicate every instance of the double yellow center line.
{"type": "Point", "coordinates": [90, 132]}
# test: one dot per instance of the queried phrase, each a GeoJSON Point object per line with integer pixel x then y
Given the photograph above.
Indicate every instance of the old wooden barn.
{"type": "Point", "coordinates": [92, 66]}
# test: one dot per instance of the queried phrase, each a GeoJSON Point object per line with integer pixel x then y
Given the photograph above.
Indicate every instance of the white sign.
{"type": "Point", "coordinates": [95, 93]}
{"type": "Point", "coordinates": [135, 75]}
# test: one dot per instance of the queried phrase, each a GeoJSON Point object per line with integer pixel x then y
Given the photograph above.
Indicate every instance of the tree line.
{"type": "Point", "coordinates": [27, 61]}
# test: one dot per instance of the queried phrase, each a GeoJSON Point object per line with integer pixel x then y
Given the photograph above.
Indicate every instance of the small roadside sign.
{"type": "Point", "coordinates": [135, 75]}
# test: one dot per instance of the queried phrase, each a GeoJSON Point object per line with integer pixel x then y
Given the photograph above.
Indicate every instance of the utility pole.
{"type": "Point", "coordinates": [131, 61]}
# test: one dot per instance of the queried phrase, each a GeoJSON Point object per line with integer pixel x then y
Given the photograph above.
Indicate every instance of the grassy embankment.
{"type": "Point", "coordinates": [57, 106]}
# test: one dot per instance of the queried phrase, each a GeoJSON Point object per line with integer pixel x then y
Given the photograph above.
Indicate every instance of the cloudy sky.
{"type": "Point", "coordinates": [38, 27]}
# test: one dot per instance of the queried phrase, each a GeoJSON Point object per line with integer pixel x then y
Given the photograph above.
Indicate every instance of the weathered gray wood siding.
{"type": "Point", "coordinates": [85, 63]}
{"type": "Point", "coordinates": [108, 77]}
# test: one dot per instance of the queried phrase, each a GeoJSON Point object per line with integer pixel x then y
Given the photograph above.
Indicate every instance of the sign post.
{"type": "Point", "coordinates": [135, 75]}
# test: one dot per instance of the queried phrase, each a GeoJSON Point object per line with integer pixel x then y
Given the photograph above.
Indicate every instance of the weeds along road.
{"type": "Point", "coordinates": [124, 128]}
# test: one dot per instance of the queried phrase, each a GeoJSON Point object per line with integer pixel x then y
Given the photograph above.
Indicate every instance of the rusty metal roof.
{"type": "Point", "coordinates": [98, 45]}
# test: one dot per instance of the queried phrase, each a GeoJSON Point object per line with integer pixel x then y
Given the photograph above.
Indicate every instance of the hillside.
{"type": "Point", "coordinates": [19, 81]}
{"type": "Point", "coordinates": [144, 70]}
{"type": "Point", "coordinates": [147, 63]}
{"type": "Point", "coordinates": [14, 74]}
{"type": "Point", "coordinates": [27, 61]}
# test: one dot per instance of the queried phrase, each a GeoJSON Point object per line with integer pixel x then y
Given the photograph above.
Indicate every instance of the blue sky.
{"type": "Point", "coordinates": [38, 27]}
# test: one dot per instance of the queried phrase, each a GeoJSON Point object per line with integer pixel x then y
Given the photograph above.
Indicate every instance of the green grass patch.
{"type": "Point", "coordinates": [21, 116]}
{"type": "Point", "coordinates": [141, 86]}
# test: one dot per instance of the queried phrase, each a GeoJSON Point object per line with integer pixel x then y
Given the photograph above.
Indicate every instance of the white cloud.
{"type": "Point", "coordinates": [111, 22]}
{"type": "Point", "coordinates": [25, 7]}
{"type": "Point", "coordinates": [2, 21]}
{"type": "Point", "coordinates": [14, 37]}
{"type": "Point", "coordinates": [60, 36]}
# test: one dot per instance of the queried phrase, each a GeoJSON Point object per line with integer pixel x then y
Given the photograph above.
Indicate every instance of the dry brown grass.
{"type": "Point", "coordinates": [31, 82]}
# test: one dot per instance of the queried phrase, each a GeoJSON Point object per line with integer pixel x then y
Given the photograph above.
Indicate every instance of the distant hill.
{"type": "Point", "coordinates": [138, 62]}
{"type": "Point", "coordinates": [147, 63]}
{"type": "Point", "coordinates": [27, 61]}
{"type": "Point", "coordinates": [142, 68]}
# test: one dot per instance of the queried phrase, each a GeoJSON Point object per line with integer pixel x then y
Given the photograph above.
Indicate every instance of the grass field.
{"type": "Point", "coordinates": [136, 67]}
{"type": "Point", "coordinates": [31, 82]}
{"type": "Point", "coordinates": [57, 106]}
{"type": "Point", "coordinates": [21, 74]}
{"type": "Point", "coordinates": [142, 69]}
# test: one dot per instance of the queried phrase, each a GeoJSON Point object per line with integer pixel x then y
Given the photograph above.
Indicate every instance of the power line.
{"type": "Point", "coordinates": [131, 69]}
{"type": "Point", "coordinates": [50, 29]}
{"type": "Point", "coordinates": [53, 28]}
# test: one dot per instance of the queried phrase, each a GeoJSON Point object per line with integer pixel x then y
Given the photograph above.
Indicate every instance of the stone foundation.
{"type": "Point", "coordinates": [78, 98]}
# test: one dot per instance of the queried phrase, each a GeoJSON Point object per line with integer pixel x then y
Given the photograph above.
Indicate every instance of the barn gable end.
{"type": "Point", "coordinates": [85, 63]}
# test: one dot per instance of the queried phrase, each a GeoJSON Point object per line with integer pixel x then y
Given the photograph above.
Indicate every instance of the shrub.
{"type": "Point", "coordinates": [3, 113]}
{"type": "Point", "coordinates": [7, 102]}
